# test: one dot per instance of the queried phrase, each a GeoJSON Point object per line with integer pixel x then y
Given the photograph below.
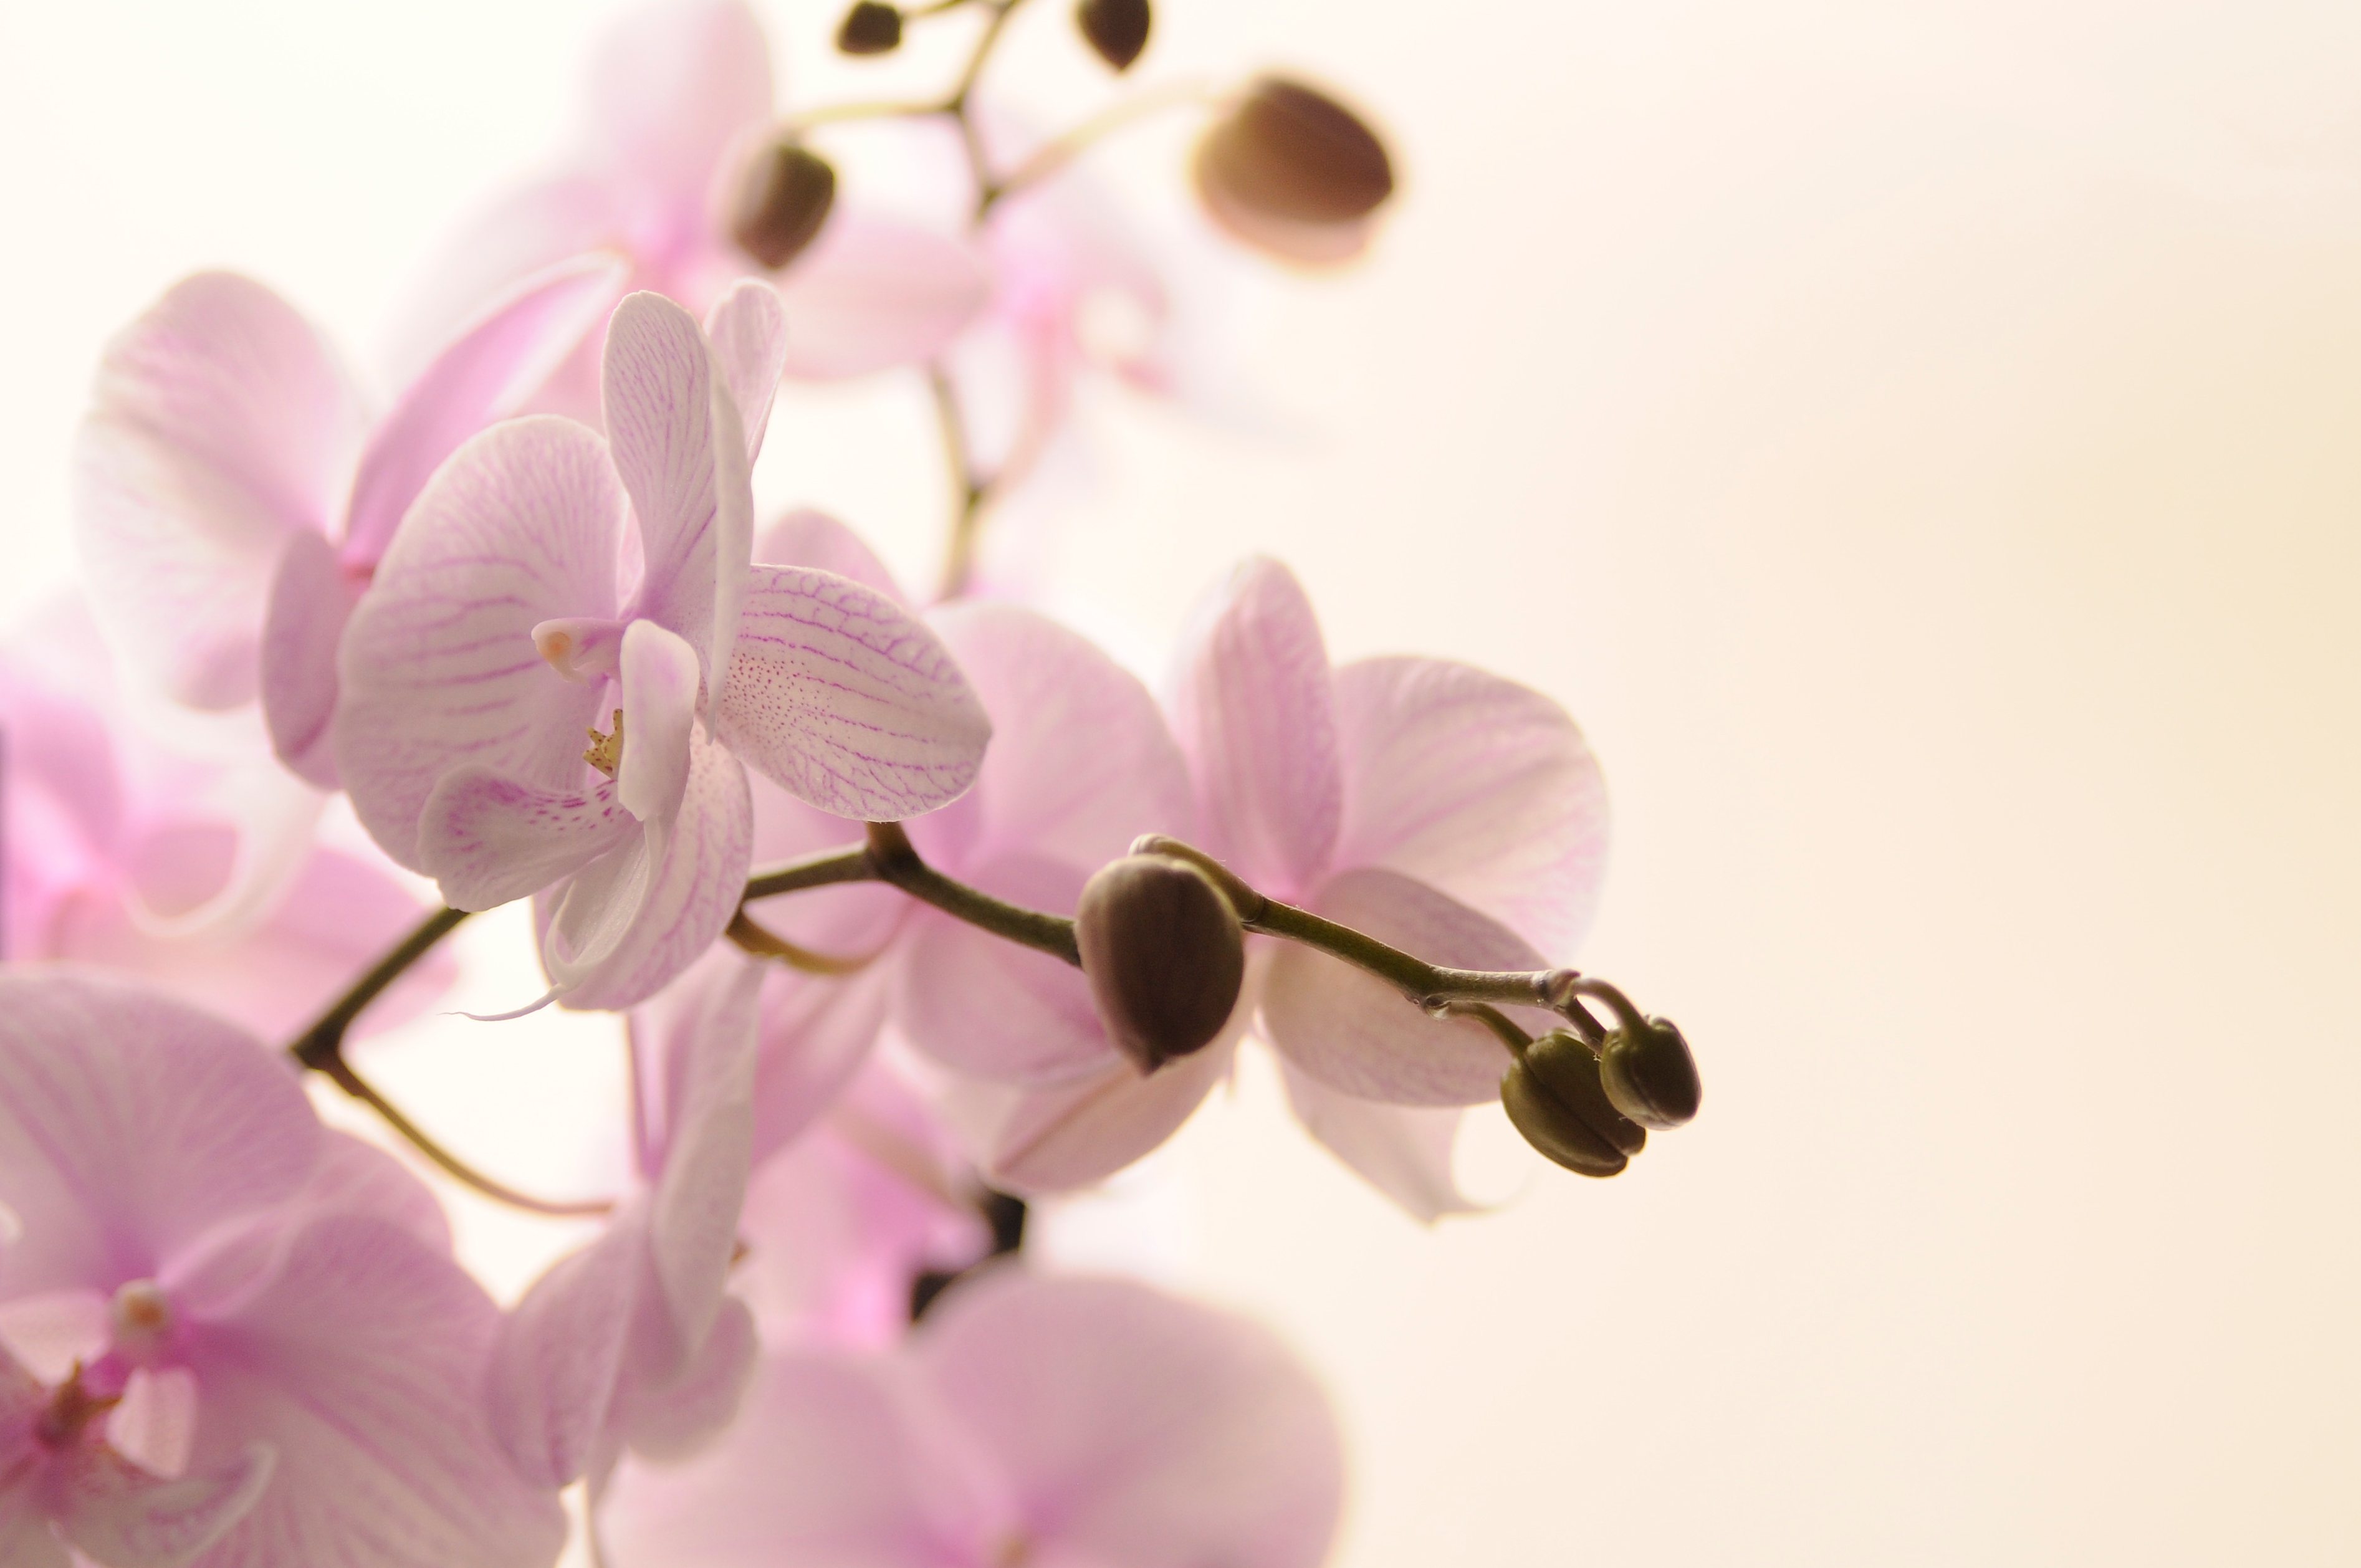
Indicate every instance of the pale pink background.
{"type": "Point", "coordinates": [1921, 444]}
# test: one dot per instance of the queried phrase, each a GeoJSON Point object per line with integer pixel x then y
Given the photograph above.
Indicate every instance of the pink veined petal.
{"type": "Point", "coordinates": [816, 1033]}
{"type": "Point", "coordinates": [486, 839]}
{"type": "Point", "coordinates": [703, 1158]}
{"type": "Point", "coordinates": [670, 88]}
{"type": "Point", "coordinates": [734, 539]}
{"type": "Point", "coordinates": [657, 384]}
{"type": "Point", "coordinates": [485, 373]}
{"type": "Point", "coordinates": [1077, 1132]}
{"type": "Point", "coordinates": [659, 680]}
{"type": "Point", "coordinates": [698, 875]}
{"type": "Point", "coordinates": [438, 666]}
{"type": "Point", "coordinates": [984, 1006]}
{"type": "Point", "coordinates": [1136, 1428]}
{"type": "Point", "coordinates": [807, 537]}
{"type": "Point", "coordinates": [841, 699]}
{"type": "Point", "coordinates": [873, 293]}
{"type": "Point", "coordinates": [670, 1418]}
{"type": "Point", "coordinates": [839, 1460]}
{"type": "Point", "coordinates": [356, 1178]}
{"type": "Point", "coordinates": [220, 423]}
{"type": "Point", "coordinates": [1081, 761]}
{"type": "Point", "coordinates": [556, 1357]}
{"type": "Point", "coordinates": [130, 1124]}
{"type": "Point", "coordinates": [126, 1518]}
{"type": "Point", "coordinates": [1404, 1151]}
{"type": "Point", "coordinates": [1254, 709]}
{"type": "Point", "coordinates": [312, 598]}
{"type": "Point", "coordinates": [748, 329]}
{"type": "Point", "coordinates": [1355, 1033]}
{"type": "Point", "coordinates": [1476, 787]}
{"type": "Point", "coordinates": [362, 1362]}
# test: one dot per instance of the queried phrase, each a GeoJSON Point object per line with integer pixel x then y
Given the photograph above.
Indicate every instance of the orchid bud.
{"type": "Point", "coordinates": [1292, 171]}
{"type": "Point", "coordinates": [1650, 1074]}
{"type": "Point", "coordinates": [1553, 1097]}
{"type": "Point", "coordinates": [870, 29]}
{"type": "Point", "coordinates": [1117, 29]}
{"type": "Point", "coordinates": [784, 197]}
{"type": "Point", "coordinates": [1163, 953]}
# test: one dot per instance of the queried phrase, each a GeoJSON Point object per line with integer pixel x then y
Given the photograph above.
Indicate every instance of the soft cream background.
{"type": "Point", "coordinates": [1920, 443]}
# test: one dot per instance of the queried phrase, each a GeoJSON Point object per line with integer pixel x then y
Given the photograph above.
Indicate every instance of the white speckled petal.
{"type": "Point", "coordinates": [488, 838]}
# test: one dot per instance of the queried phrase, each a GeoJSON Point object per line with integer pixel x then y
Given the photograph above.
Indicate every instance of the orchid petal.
{"type": "Point", "coordinates": [362, 1364]}
{"type": "Point", "coordinates": [1355, 1033]}
{"type": "Point", "coordinates": [1255, 710]}
{"type": "Point", "coordinates": [129, 1125]}
{"type": "Point", "coordinates": [807, 537]}
{"type": "Point", "coordinates": [126, 1518]}
{"type": "Point", "coordinates": [1081, 763]}
{"type": "Point", "coordinates": [1139, 1429]}
{"type": "Point", "coordinates": [221, 424]}
{"type": "Point", "coordinates": [556, 1357]}
{"type": "Point", "coordinates": [659, 682]}
{"type": "Point", "coordinates": [438, 666]}
{"type": "Point", "coordinates": [1404, 1151]}
{"type": "Point", "coordinates": [1477, 786]}
{"type": "Point", "coordinates": [816, 1032]}
{"type": "Point", "coordinates": [748, 329]}
{"type": "Point", "coordinates": [871, 294]}
{"type": "Point", "coordinates": [658, 389]}
{"type": "Point", "coordinates": [312, 598]}
{"type": "Point", "coordinates": [487, 372]}
{"type": "Point", "coordinates": [1077, 1132]}
{"type": "Point", "coordinates": [357, 1178]}
{"type": "Point", "coordinates": [841, 699]}
{"type": "Point", "coordinates": [673, 1419]}
{"type": "Point", "coordinates": [671, 87]}
{"type": "Point", "coordinates": [734, 539]}
{"type": "Point", "coordinates": [486, 839]}
{"type": "Point", "coordinates": [709, 1140]}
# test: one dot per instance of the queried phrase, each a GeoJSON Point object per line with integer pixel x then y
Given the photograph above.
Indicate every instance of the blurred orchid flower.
{"type": "Point", "coordinates": [1050, 1421]}
{"type": "Point", "coordinates": [506, 611]}
{"type": "Point", "coordinates": [678, 96]}
{"type": "Point", "coordinates": [233, 497]}
{"type": "Point", "coordinates": [1436, 807]}
{"type": "Point", "coordinates": [201, 875]}
{"type": "Point", "coordinates": [237, 1337]}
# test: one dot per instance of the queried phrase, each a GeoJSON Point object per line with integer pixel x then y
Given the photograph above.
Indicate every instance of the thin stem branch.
{"type": "Point", "coordinates": [341, 1072]}
{"type": "Point", "coordinates": [1059, 152]}
{"type": "Point", "coordinates": [326, 1037]}
{"type": "Point", "coordinates": [897, 860]}
{"type": "Point", "coordinates": [824, 869]}
{"type": "Point", "coordinates": [970, 490]}
{"type": "Point", "coordinates": [765, 943]}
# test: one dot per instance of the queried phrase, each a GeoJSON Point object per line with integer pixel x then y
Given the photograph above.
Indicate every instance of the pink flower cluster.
{"type": "Point", "coordinates": [519, 615]}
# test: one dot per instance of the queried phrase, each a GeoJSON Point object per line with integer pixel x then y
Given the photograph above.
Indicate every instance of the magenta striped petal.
{"type": "Point", "coordinates": [658, 386]}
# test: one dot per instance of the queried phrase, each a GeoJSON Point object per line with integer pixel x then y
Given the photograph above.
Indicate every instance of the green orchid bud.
{"type": "Point", "coordinates": [1553, 1097]}
{"type": "Point", "coordinates": [784, 198]}
{"type": "Point", "coordinates": [1117, 29]}
{"type": "Point", "coordinates": [1650, 1075]}
{"type": "Point", "coordinates": [870, 29]}
{"type": "Point", "coordinates": [1294, 172]}
{"type": "Point", "coordinates": [1163, 953]}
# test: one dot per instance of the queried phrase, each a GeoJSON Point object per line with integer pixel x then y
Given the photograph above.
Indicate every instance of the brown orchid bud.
{"type": "Point", "coordinates": [1292, 171]}
{"type": "Point", "coordinates": [870, 29]}
{"type": "Point", "coordinates": [1117, 29]}
{"type": "Point", "coordinates": [1650, 1075]}
{"type": "Point", "coordinates": [1163, 953]}
{"type": "Point", "coordinates": [784, 197]}
{"type": "Point", "coordinates": [1553, 1097]}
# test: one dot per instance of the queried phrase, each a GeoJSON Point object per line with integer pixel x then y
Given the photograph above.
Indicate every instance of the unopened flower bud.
{"type": "Point", "coordinates": [870, 29]}
{"type": "Point", "coordinates": [784, 197]}
{"type": "Point", "coordinates": [1650, 1075]}
{"type": "Point", "coordinates": [1553, 1097]}
{"type": "Point", "coordinates": [1164, 955]}
{"type": "Point", "coordinates": [1117, 29]}
{"type": "Point", "coordinates": [1294, 172]}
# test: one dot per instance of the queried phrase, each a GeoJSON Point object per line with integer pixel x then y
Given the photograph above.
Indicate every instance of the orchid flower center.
{"type": "Point", "coordinates": [70, 1411]}
{"type": "Point", "coordinates": [141, 1319]}
{"type": "Point", "coordinates": [1013, 1551]}
{"type": "Point", "coordinates": [580, 648]}
{"type": "Point", "coordinates": [606, 752]}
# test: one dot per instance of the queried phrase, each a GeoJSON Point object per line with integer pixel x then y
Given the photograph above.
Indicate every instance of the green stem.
{"type": "Point", "coordinates": [897, 860]}
{"type": "Point", "coordinates": [1059, 152]}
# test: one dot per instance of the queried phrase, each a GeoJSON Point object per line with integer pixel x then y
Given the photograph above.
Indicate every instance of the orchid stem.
{"type": "Point", "coordinates": [897, 860]}
{"type": "Point", "coordinates": [1062, 149]}
{"type": "Point", "coordinates": [971, 489]}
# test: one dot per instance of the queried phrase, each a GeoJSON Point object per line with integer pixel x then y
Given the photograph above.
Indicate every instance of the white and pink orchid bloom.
{"type": "Point", "coordinates": [238, 1338]}
{"type": "Point", "coordinates": [678, 95]}
{"type": "Point", "coordinates": [633, 1342]}
{"type": "Point", "coordinates": [1081, 764]}
{"type": "Point", "coordinates": [201, 876]}
{"type": "Point", "coordinates": [1449, 812]}
{"type": "Point", "coordinates": [233, 495]}
{"type": "Point", "coordinates": [1057, 1422]}
{"type": "Point", "coordinates": [544, 569]}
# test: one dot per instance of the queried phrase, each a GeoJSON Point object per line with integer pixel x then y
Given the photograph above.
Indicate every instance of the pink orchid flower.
{"type": "Point", "coordinates": [233, 498]}
{"type": "Point", "coordinates": [1081, 764]}
{"type": "Point", "coordinates": [234, 1338]}
{"type": "Point", "coordinates": [1445, 810]}
{"type": "Point", "coordinates": [201, 876]}
{"type": "Point", "coordinates": [633, 1342]}
{"type": "Point", "coordinates": [678, 95]}
{"type": "Point", "coordinates": [506, 611]}
{"type": "Point", "coordinates": [1053, 1422]}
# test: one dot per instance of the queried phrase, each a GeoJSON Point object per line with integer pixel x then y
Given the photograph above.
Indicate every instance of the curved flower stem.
{"type": "Point", "coordinates": [824, 869]}
{"type": "Point", "coordinates": [321, 1049]}
{"type": "Point", "coordinates": [897, 860]}
{"type": "Point", "coordinates": [971, 489]}
{"type": "Point", "coordinates": [764, 942]}
{"type": "Point", "coordinates": [1062, 149]}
